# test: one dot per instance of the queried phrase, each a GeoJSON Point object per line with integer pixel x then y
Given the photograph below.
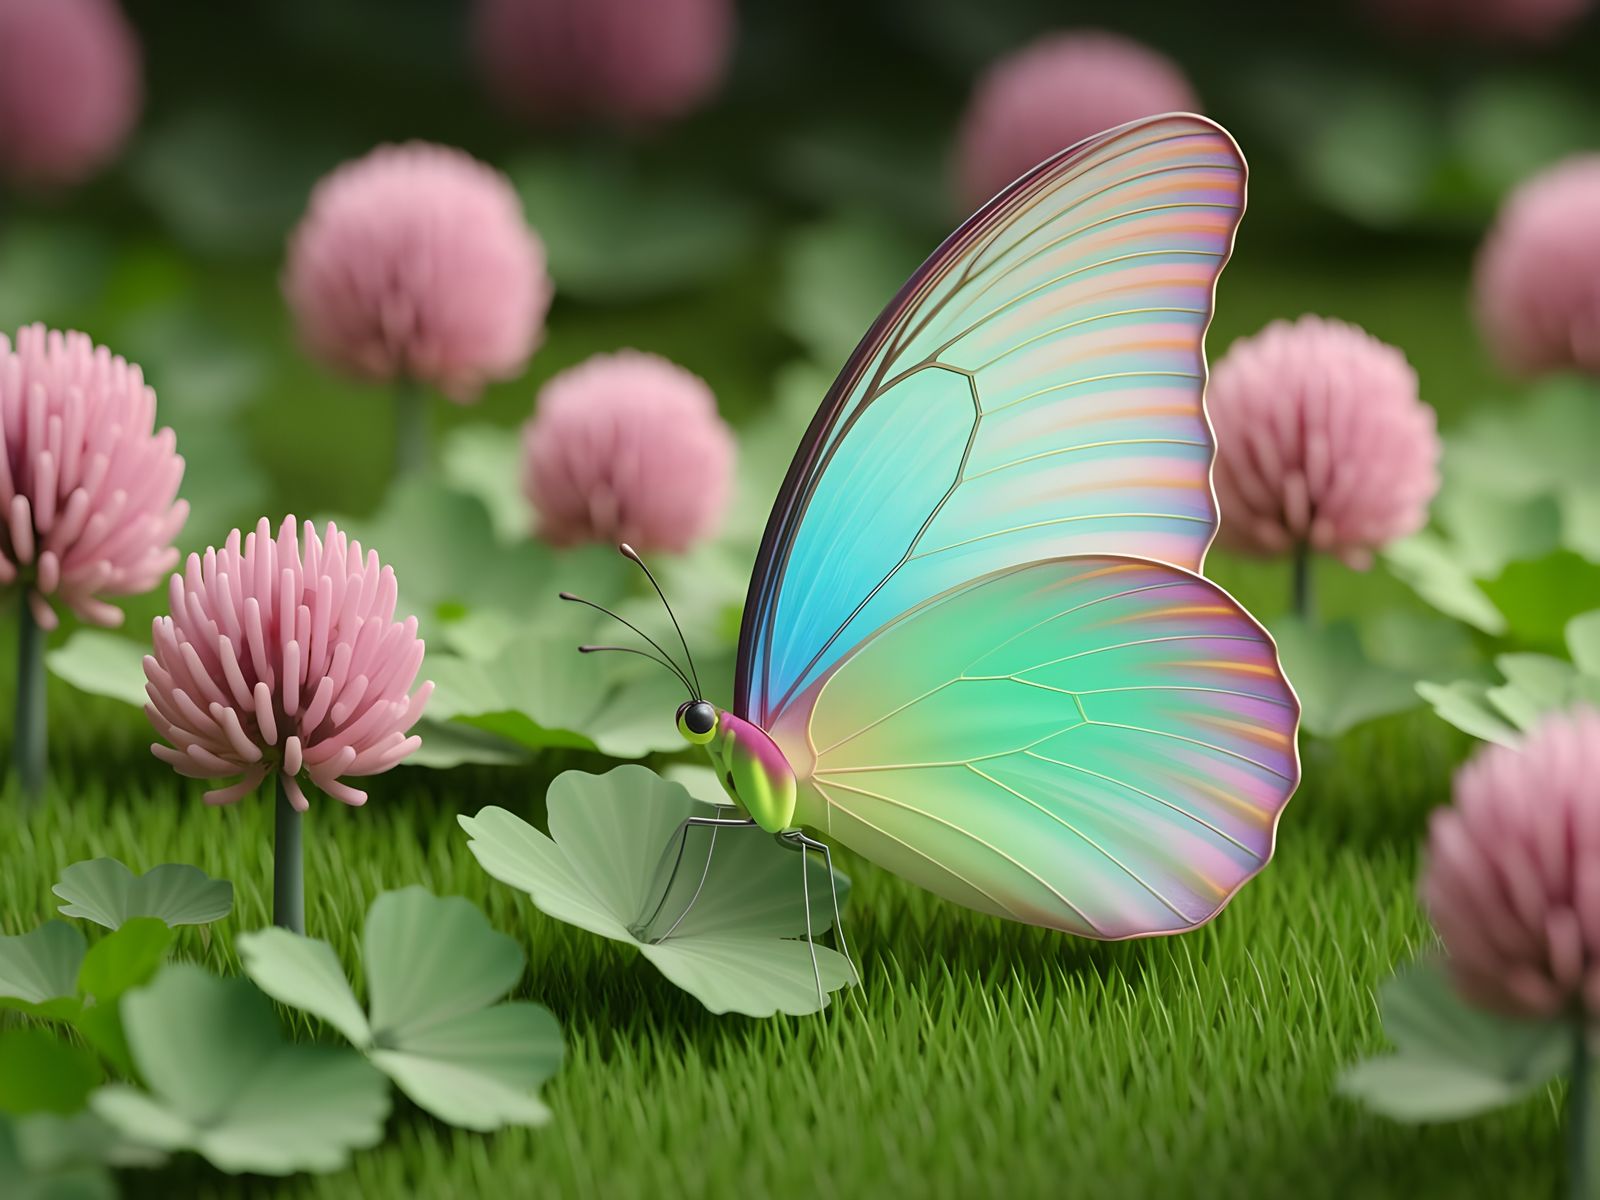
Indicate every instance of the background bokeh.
{"type": "Point", "coordinates": [752, 242]}
{"type": "Point", "coordinates": [767, 227]}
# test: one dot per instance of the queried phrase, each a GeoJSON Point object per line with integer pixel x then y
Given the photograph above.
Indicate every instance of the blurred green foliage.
{"type": "Point", "coordinates": [753, 244]}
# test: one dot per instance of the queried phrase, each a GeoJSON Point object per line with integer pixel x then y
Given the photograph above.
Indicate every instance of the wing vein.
{"type": "Point", "coordinates": [882, 832]}
{"type": "Point", "coordinates": [1072, 383]}
{"type": "Point", "coordinates": [1017, 462]}
{"type": "Point", "coordinates": [1082, 321]}
{"type": "Point", "coordinates": [970, 836]}
{"type": "Point", "coordinates": [1178, 737]}
{"type": "Point", "coordinates": [1123, 783]}
{"type": "Point", "coordinates": [982, 537]}
{"type": "Point", "coordinates": [1086, 839]}
{"type": "Point", "coordinates": [1062, 278]}
{"type": "Point", "coordinates": [1085, 167]}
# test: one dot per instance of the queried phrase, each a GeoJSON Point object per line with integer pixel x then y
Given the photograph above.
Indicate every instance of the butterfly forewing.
{"type": "Point", "coordinates": [1035, 391]}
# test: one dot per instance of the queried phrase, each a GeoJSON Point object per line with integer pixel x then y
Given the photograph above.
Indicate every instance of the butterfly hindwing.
{"type": "Point", "coordinates": [1095, 744]}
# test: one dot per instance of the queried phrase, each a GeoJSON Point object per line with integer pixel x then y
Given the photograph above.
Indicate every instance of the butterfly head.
{"type": "Point", "coordinates": [697, 721]}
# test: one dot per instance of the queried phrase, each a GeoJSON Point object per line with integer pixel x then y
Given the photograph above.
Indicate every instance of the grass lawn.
{"type": "Point", "coordinates": [983, 1058]}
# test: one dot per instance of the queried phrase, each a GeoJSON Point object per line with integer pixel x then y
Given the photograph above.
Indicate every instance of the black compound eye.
{"type": "Point", "coordinates": [700, 717]}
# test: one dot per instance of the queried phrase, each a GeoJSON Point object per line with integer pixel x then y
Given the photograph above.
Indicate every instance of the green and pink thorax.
{"type": "Point", "coordinates": [757, 775]}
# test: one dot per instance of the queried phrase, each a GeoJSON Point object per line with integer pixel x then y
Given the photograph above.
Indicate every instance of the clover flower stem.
{"type": "Point", "coordinates": [29, 746]}
{"type": "Point", "coordinates": [1303, 596]}
{"type": "Point", "coordinates": [411, 429]}
{"type": "Point", "coordinates": [288, 865]}
{"type": "Point", "coordinates": [1582, 1174]}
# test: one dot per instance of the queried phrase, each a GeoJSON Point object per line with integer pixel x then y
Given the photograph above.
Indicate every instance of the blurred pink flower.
{"type": "Point", "coordinates": [1484, 20]}
{"type": "Point", "coordinates": [284, 656]}
{"type": "Point", "coordinates": [1321, 441]}
{"type": "Point", "coordinates": [1512, 873]}
{"type": "Point", "coordinates": [88, 487]}
{"type": "Point", "coordinates": [1538, 273]}
{"type": "Point", "coordinates": [627, 447]}
{"type": "Point", "coordinates": [415, 261]}
{"type": "Point", "coordinates": [69, 88]}
{"type": "Point", "coordinates": [616, 61]}
{"type": "Point", "coordinates": [1052, 94]}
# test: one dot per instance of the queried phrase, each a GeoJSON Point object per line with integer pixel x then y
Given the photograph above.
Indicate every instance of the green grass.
{"type": "Point", "coordinates": [983, 1058]}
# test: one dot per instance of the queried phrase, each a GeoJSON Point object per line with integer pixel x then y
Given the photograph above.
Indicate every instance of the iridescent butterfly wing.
{"type": "Point", "coordinates": [975, 628]}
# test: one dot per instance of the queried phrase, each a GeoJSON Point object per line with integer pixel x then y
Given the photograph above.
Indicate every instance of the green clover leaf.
{"type": "Point", "coordinates": [603, 869]}
{"type": "Point", "coordinates": [106, 892]}
{"type": "Point", "coordinates": [225, 1084]}
{"type": "Point", "coordinates": [1451, 1060]}
{"type": "Point", "coordinates": [435, 968]}
{"type": "Point", "coordinates": [1338, 685]}
{"type": "Point", "coordinates": [1535, 685]}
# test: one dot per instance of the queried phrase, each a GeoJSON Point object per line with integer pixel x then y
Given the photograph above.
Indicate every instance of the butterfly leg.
{"type": "Point", "coordinates": [811, 843]}
{"type": "Point", "coordinates": [793, 838]}
{"type": "Point", "coordinates": [681, 836]}
{"type": "Point", "coordinates": [797, 840]}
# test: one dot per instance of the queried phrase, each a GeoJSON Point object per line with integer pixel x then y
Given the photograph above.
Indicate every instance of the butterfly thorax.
{"type": "Point", "coordinates": [753, 771]}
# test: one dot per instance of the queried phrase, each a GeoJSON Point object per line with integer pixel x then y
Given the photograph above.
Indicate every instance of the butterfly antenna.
{"type": "Point", "coordinates": [642, 654]}
{"type": "Point", "coordinates": [630, 553]}
{"type": "Point", "coordinates": [665, 659]}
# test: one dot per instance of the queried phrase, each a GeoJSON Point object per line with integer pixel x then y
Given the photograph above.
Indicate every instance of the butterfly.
{"type": "Point", "coordinates": [976, 647]}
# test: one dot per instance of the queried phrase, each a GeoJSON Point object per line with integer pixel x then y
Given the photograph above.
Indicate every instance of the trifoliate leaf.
{"type": "Point", "coordinates": [304, 973]}
{"type": "Point", "coordinates": [836, 278]}
{"type": "Point", "coordinates": [1408, 1087]}
{"type": "Point", "coordinates": [1466, 705]}
{"type": "Point", "coordinates": [1540, 596]}
{"type": "Point", "coordinates": [205, 376]}
{"type": "Point", "coordinates": [450, 561]}
{"type": "Point", "coordinates": [1583, 642]}
{"type": "Point", "coordinates": [1452, 1060]}
{"type": "Point", "coordinates": [48, 1157]}
{"type": "Point", "coordinates": [224, 1083]}
{"type": "Point", "coordinates": [124, 959]}
{"type": "Point", "coordinates": [1374, 156]}
{"type": "Point", "coordinates": [1580, 520]}
{"type": "Point", "coordinates": [434, 969]}
{"type": "Point", "coordinates": [227, 181]}
{"type": "Point", "coordinates": [486, 461]}
{"type": "Point", "coordinates": [102, 664]}
{"type": "Point", "coordinates": [1506, 127]}
{"type": "Point", "coordinates": [106, 892]}
{"type": "Point", "coordinates": [899, 167]}
{"type": "Point", "coordinates": [451, 743]}
{"type": "Point", "coordinates": [767, 445]}
{"type": "Point", "coordinates": [49, 974]}
{"type": "Point", "coordinates": [42, 1072]}
{"type": "Point", "coordinates": [614, 234]}
{"type": "Point", "coordinates": [1536, 447]}
{"type": "Point", "coordinates": [54, 272]}
{"type": "Point", "coordinates": [1423, 645]}
{"type": "Point", "coordinates": [1338, 686]}
{"type": "Point", "coordinates": [1487, 531]}
{"type": "Point", "coordinates": [1429, 566]}
{"type": "Point", "coordinates": [1535, 685]}
{"type": "Point", "coordinates": [605, 868]}
{"type": "Point", "coordinates": [539, 692]}
{"type": "Point", "coordinates": [39, 970]}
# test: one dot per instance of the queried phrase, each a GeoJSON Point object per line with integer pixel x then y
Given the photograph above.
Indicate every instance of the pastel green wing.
{"type": "Point", "coordinates": [1096, 744]}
